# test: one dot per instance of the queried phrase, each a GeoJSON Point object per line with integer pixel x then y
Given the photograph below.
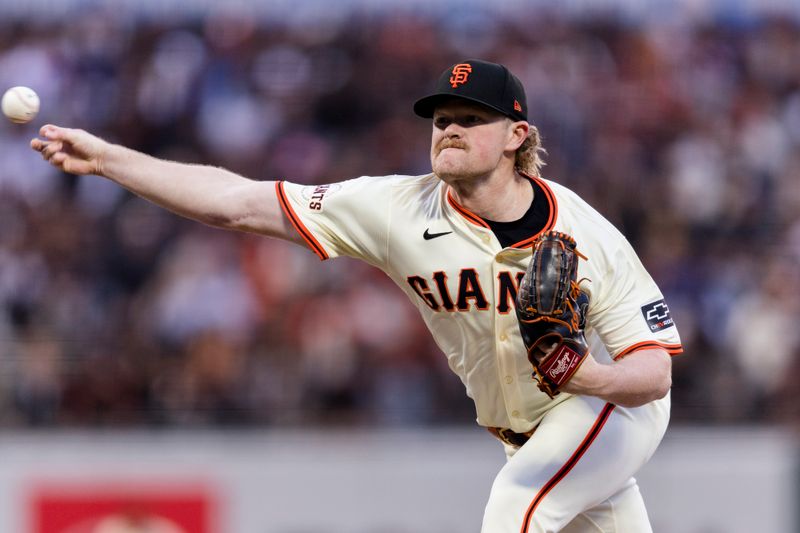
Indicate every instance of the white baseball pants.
{"type": "Point", "coordinates": [575, 474]}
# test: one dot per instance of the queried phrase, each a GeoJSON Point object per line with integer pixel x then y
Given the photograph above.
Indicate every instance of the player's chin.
{"type": "Point", "coordinates": [447, 168]}
{"type": "Point", "coordinates": [447, 175]}
{"type": "Point", "coordinates": [452, 174]}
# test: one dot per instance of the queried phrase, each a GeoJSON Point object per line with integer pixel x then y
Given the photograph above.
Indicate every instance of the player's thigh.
{"type": "Point", "coordinates": [624, 512]}
{"type": "Point", "coordinates": [583, 452]}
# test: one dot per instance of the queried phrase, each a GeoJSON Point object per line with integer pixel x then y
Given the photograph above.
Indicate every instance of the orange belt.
{"type": "Point", "coordinates": [510, 437]}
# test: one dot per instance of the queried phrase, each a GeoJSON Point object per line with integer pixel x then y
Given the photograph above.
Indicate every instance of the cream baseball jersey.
{"type": "Point", "coordinates": [464, 282]}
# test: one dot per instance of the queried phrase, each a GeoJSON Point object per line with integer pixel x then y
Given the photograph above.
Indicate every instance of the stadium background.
{"type": "Point", "coordinates": [121, 323]}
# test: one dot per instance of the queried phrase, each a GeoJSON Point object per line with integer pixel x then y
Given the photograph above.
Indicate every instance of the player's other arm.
{"type": "Point", "coordinates": [639, 378]}
{"type": "Point", "coordinates": [211, 195]}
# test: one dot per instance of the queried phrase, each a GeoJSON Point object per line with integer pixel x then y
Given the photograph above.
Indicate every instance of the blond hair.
{"type": "Point", "coordinates": [528, 156]}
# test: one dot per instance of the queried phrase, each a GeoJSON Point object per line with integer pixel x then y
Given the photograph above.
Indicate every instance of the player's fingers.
{"type": "Point", "coordinates": [52, 132]}
{"type": "Point", "coordinates": [58, 159]}
{"type": "Point", "coordinates": [38, 144]}
{"type": "Point", "coordinates": [541, 351]}
{"type": "Point", "coordinates": [537, 354]}
{"type": "Point", "coordinates": [52, 148]}
{"type": "Point", "coordinates": [73, 165]}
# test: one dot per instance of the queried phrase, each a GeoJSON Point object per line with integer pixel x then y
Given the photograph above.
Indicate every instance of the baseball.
{"type": "Point", "coordinates": [20, 104]}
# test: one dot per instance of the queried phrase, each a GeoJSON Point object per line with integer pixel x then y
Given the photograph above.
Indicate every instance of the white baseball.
{"type": "Point", "coordinates": [20, 104]}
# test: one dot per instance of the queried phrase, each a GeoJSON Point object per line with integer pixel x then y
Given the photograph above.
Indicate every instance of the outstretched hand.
{"type": "Point", "coordinates": [71, 150]}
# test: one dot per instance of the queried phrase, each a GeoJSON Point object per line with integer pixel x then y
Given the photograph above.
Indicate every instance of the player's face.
{"type": "Point", "coordinates": [469, 140]}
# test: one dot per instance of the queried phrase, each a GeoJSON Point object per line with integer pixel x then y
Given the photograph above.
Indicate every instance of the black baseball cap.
{"type": "Point", "coordinates": [490, 84]}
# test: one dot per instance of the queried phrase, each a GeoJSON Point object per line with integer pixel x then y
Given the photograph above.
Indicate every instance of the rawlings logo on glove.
{"type": "Point", "coordinates": [551, 309]}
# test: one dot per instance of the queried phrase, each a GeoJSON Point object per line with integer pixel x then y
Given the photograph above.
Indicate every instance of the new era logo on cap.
{"type": "Point", "coordinates": [490, 84]}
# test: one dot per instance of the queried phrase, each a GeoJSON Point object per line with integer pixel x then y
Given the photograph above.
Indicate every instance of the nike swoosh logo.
{"type": "Point", "coordinates": [428, 236]}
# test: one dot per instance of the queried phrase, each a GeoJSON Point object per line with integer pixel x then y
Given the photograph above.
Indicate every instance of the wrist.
{"type": "Point", "coordinates": [109, 158]}
{"type": "Point", "coordinates": [598, 380]}
{"type": "Point", "coordinates": [591, 379]}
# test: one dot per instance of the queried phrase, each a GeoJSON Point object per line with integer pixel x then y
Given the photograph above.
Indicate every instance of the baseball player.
{"type": "Point", "coordinates": [458, 241]}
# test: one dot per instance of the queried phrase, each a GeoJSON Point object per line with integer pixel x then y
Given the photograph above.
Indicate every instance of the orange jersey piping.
{"type": "Point", "coordinates": [478, 221]}
{"type": "Point", "coordinates": [466, 213]}
{"type": "Point", "coordinates": [304, 232]}
{"type": "Point", "coordinates": [672, 349]}
{"type": "Point", "coordinates": [553, 208]}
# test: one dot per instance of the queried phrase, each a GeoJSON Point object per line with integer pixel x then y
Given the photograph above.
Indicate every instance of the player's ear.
{"type": "Point", "coordinates": [518, 132]}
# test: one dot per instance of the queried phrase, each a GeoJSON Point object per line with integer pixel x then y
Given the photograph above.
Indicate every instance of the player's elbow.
{"type": "Point", "coordinates": [662, 377]}
{"type": "Point", "coordinates": [650, 375]}
{"type": "Point", "coordinates": [656, 389]}
{"type": "Point", "coordinates": [663, 386]}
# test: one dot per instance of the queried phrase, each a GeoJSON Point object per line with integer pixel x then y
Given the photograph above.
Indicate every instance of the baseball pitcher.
{"type": "Point", "coordinates": [542, 308]}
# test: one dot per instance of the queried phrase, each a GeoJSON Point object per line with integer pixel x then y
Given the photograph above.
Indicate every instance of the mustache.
{"type": "Point", "coordinates": [450, 143]}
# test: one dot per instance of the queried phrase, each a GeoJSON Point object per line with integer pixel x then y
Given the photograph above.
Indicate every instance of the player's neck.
{"type": "Point", "coordinates": [501, 198]}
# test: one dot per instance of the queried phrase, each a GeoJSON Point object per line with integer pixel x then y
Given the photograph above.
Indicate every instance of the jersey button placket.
{"type": "Point", "coordinates": [506, 358]}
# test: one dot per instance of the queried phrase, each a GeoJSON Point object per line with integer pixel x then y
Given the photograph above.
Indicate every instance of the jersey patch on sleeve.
{"type": "Point", "coordinates": [657, 316]}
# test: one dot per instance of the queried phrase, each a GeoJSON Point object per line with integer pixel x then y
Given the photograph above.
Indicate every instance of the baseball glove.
{"type": "Point", "coordinates": [551, 309]}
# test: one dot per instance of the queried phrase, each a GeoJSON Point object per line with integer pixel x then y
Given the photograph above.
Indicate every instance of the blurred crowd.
{"type": "Point", "coordinates": [114, 312]}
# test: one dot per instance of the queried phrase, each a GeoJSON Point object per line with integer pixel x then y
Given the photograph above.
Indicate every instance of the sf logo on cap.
{"type": "Point", "coordinates": [460, 74]}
